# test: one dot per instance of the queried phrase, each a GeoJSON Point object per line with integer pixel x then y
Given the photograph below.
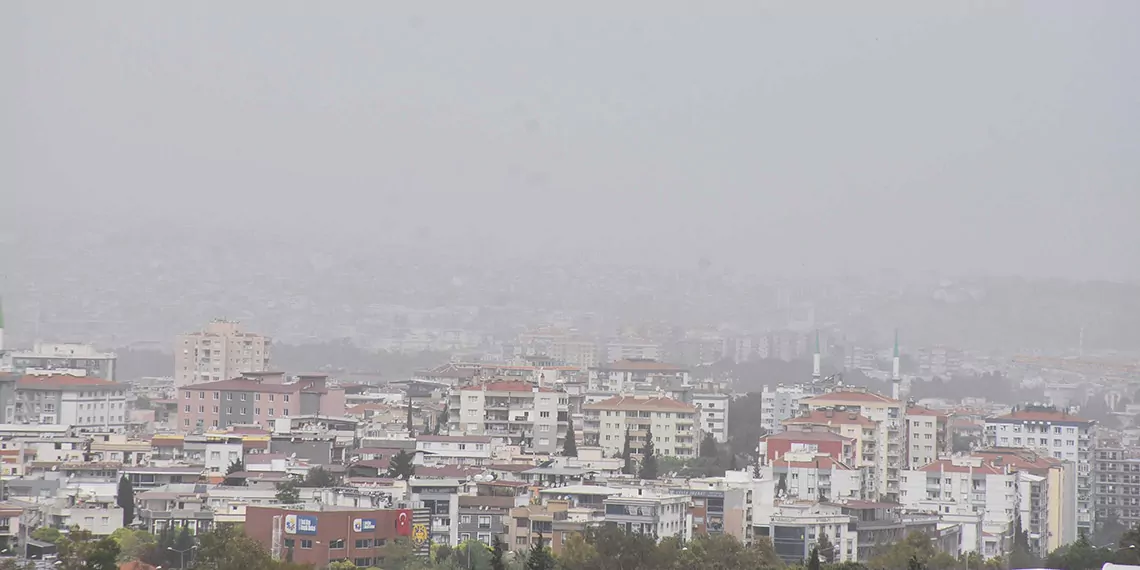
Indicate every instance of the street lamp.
{"type": "Point", "coordinates": [181, 554]}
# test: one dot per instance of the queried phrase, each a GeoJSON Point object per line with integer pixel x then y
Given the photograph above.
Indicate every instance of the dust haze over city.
{"type": "Point", "coordinates": [744, 220]}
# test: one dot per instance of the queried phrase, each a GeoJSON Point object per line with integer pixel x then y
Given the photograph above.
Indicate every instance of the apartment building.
{"type": "Point", "coordinates": [809, 476]}
{"type": "Point", "coordinates": [522, 413]}
{"type": "Point", "coordinates": [862, 430]}
{"type": "Point", "coordinates": [627, 376]}
{"type": "Point", "coordinates": [713, 414]}
{"type": "Point", "coordinates": [813, 439]}
{"type": "Point", "coordinates": [1116, 472]}
{"type": "Point", "coordinates": [672, 423]}
{"type": "Point", "coordinates": [86, 403]}
{"type": "Point", "coordinates": [969, 484]}
{"type": "Point", "coordinates": [47, 358]}
{"type": "Point", "coordinates": [220, 352]}
{"type": "Point", "coordinates": [887, 453]}
{"type": "Point", "coordinates": [1048, 489]}
{"type": "Point", "coordinates": [255, 399]}
{"type": "Point", "coordinates": [1058, 434]}
{"type": "Point", "coordinates": [549, 522]}
{"type": "Point", "coordinates": [659, 516]}
{"type": "Point", "coordinates": [721, 505]}
{"type": "Point", "coordinates": [926, 436]}
{"type": "Point", "coordinates": [797, 527]}
{"type": "Point", "coordinates": [466, 450]}
{"type": "Point", "coordinates": [780, 404]}
{"type": "Point", "coordinates": [329, 534]}
{"type": "Point", "coordinates": [440, 496]}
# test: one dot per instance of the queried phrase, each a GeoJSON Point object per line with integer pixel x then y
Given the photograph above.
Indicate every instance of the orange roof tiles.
{"type": "Point", "coordinates": [851, 396]}
{"type": "Point", "coordinates": [924, 411]}
{"type": "Point", "coordinates": [828, 417]}
{"type": "Point", "coordinates": [946, 466]}
{"type": "Point", "coordinates": [658, 403]}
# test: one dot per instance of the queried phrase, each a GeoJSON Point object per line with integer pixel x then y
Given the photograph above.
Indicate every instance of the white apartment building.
{"type": "Point", "coordinates": [780, 404]}
{"type": "Point", "coordinates": [85, 403]}
{"type": "Point", "coordinates": [617, 351]}
{"type": "Point", "coordinates": [520, 412]}
{"type": "Point", "coordinates": [440, 495]}
{"type": "Point", "coordinates": [672, 423]}
{"type": "Point", "coordinates": [926, 436]}
{"type": "Point", "coordinates": [627, 376]}
{"type": "Point", "coordinates": [1057, 434]}
{"type": "Point", "coordinates": [660, 516]}
{"type": "Point", "coordinates": [810, 476]}
{"type": "Point", "coordinates": [713, 413]}
{"type": "Point", "coordinates": [47, 358]}
{"type": "Point", "coordinates": [466, 450]}
{"type": "Point", "coordinates": [887, 453]}
{"type": "Point", "coordinates": [221, 352]}
{"type": "Point", "coordinates": [967, 484]}
{"type": "Point", "coordinates": [796, 527]}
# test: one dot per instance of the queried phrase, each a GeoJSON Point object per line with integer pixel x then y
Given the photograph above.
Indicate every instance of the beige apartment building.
{"type": "Point", "coordinates": [673, 424]}
{"type": "Point", "coordinates": [221, 352]}
{"type": "Point", "coordinates": [887, 453]}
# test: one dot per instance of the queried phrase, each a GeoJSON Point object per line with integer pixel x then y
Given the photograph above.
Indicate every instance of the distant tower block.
{"type": "Point", "coordinates": [896, 376]}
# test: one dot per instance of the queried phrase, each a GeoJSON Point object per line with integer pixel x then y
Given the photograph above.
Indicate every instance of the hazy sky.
{"type": "Point", "coordinates": [823, 136]}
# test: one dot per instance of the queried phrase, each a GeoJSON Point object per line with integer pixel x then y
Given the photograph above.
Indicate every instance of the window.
{"type": "Point", "coordinates": [229, 409]}
{"type": "Point", "coordinates": [363, 543]}
{"type": "Point", "coordinates": [243, 411]}
{"type": "Point", "coordinates": [188, 408]}
{"type": "Point", "coordinates": [201, 395]}
{"type": "Point", "coordinates": [257, 397]}
{"type": "Point", "coordinates": [201, 409]}
{"type": "Point", "coordinates": [271, 412]}
{"type": "Point", "coordinates": [285, 398]}
{"type": "Point", "coordinates": [257, 411]}
{"type": "Point", "coordinates": [243, 397]}
{"type": "Point", "coordinates": [544, 414]}
{"type": "Point", "coordinates": [484, 521]}
{"type": "Point", "coordinates": [216, 395]}
{"type": "Point", "coordinates": [187, 395]}
{"type": "Point", "coordinates": [215, 409]}
{"type": "Point", "coordinates": [285, 412]}
{"type": "Point", "coordinates": [229, 395]}
{"type": "Point", "coordinates": [271, 397]}
{"type": "Point", "coordinates": [306, 543]}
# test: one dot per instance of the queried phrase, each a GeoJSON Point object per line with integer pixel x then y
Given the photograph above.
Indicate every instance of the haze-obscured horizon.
{"type": "Point", "coordinates": [997, 138]}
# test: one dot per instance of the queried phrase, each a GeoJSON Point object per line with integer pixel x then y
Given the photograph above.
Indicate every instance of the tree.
{"type": "Point", "coordinates": [497, 551]}
{"type": "Point", "coordinates": [825, 548]}
{"type": "Point", "coordinates": [539, 557]}
{"type": "Point", "coordinates": [569, 446]}
{"type": "Point", "coordinates": [288, 493]}
{"type": "Point", "coordinates": [400, 466]}
{"type": "Point", "coordinates": [79, 550]}
{"type": "Point", "coordinates": [236, 467]}
{"type": "Point", "coordinates": [648, 458]}
{"type": "Point", "coordinates": [813, 560]}
{"type": "Point", "coordinates": [709, 447]}
{"type": "Point", "coordinates": [341, 565]}
{"type": "Point", "coordinates": [627, 455]}
{"type": "Point", "coordinates": [47, 534]}
{"type": "Point", "coordinates": [125, 498]}
{"type": "Point", "coordinates": [576, 553]}
{"type": "Point", "coordinates": [319, 478]}
{"type": "Point", "coordinates": [766, 552]}
{"type": "Point", "coordinates": [134, 544]}
{"type": "Point", "coordinates": [226, 547]}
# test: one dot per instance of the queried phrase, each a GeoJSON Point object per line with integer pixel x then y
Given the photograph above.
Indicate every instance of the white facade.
{"type": "Point", "coordinates": [780, 404]}
{"type": "Point", "coordinates": [221, 352]}
{"type": "Point", "coordinates": [616, 351]}
{"type": "Point", "coordinates": [661, 516]}
{"type": "Point", "coordinates": [672, 424]}
{"type": "Point", "coordinates": [441, 496]}
{"type": "Point", "coordinates": [815, 520]}
{"type": "Point", "coordinates": [87, 404]}
{"type": "Point", "coordinates": [926, 436]}
{"type": "Point", "coordinates": [470, 450]}
{"type": "Point", "coordinates": [47, 358]}
{"type": "Point", "coordinates": [220, 455]}
{"type": "Point", "coordinates": [713, 412]}
{"type": "Point", "coordinates": [806, 476]}
{"type": "Point", "coordinates": [951, 485]}
{"type": "Point", "coordinates": [514, 410]}
{"type": "Point", "coordinates": [1056, 434]}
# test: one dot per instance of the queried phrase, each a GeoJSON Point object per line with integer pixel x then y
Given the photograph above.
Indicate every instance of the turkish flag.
{"type": "Point", "coordinates": [404, 522]}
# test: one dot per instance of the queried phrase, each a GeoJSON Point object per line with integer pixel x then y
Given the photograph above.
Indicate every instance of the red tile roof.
{"type": "Point", "coordinates": [795, 436]}
{"type": "Point", "coordinates": [924, 411]}
{"type": "Point", "coordinates": [66, 382]}
{"type": "Point", "coordinates": [945, 466]}
{"type": "Point", "coordinates": [507, 386]}
{"type": "Point", "coordinates": [659, 403]}
{"type": "Point", "coordinates": [850, 396]}
{"type": "Point", "coordinates": [1018, 458]}
{"type": "Point", "coordinates": [821, 417]}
